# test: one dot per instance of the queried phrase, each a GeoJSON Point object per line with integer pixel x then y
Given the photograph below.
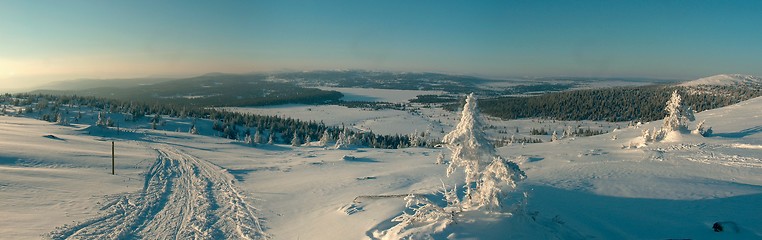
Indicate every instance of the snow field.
{"type": "Point", "coordinates": [578, 188]}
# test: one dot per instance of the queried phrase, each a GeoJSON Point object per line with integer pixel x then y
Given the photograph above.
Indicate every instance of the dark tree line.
{"type": "Point", "coordinates": [613, 104]}
{"type": "Point", "coordinates": [233, 125]}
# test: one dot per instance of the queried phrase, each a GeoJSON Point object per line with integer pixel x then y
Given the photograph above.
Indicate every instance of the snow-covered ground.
{"type": "Point", "coordinates": [435, 121]}
{"type": "Point", "coordinates": [386, 121]}
{"type": "Point", "coordinates": [56, 182]}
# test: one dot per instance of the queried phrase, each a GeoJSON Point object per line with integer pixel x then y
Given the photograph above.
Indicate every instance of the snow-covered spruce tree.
{"type": "Point", "coordinates": [415, 140]}
{"type": "Point", "coordinates": [271, 138]}
{"type": "Point", "coordinates": [677, 119]}
{"type": "Point", "coordinates": [193, 130]}
{"type": "Point", "coordinates": [101, 122]}
{"type": "Point", "coordinates": [701, 130]}
{"type": "Point", "coordinates": [497, 173]}
{"type": "Point", "coordinates": [324, 139]}
{"type": "Point", "coordinates": [678, 115]}
{"type": "Point", "coordinates": [342, 140]}
{"type": "Point", "coordinates": [61, 120]}
{"type": "Point", "coordinates": [472, 151]}
{"type": "Point", "coordinates": [109, 122]}
{"type": "Point", "coordinates": [295, 141]}
{"type": "Point", "coordinates": [257, 136]}
{"type": "Point", "coordinates": [647, 135]}
{"type": "Point", "coordinates": [248, 140]}
{"type": "Point", "coordinates": [554, 137]}
{"type": "Point", "coordinates": [307, 140]}
{"type": "Point", "coordinates": [673, 118]}
{"type": "Point", "coordinates": [440, 159]}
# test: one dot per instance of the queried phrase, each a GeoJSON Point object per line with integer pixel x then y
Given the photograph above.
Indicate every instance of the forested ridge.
{"type": "Point", "coordinates": [645, 103]}
{"type": "Point", "coordinates": [214, 90]}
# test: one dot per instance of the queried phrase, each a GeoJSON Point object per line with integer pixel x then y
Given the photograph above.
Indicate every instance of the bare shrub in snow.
{"type": "Point", "coordinates": [426, 219]}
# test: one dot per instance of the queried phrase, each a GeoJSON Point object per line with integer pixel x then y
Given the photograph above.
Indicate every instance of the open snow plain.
{"type": "Point", "coordinates": [56, 183]}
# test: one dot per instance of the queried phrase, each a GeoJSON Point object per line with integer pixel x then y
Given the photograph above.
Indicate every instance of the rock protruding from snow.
{"type": "Point", "coordinates": [725, 80]}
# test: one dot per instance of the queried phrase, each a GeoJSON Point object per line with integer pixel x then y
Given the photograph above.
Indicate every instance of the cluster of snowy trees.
{"type": "Point", "coordinates": [250, 128]}
{"type": "Point", "coordinates": [677, 120]}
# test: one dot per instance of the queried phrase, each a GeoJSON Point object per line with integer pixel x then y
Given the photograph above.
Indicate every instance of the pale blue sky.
{"type": "Point", "coordinates": [669, 39]}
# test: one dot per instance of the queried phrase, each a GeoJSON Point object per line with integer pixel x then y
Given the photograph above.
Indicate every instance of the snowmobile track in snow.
{"type": "Point", "coordinates": [183, 197]}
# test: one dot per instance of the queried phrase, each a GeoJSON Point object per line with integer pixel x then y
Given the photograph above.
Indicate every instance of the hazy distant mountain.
{"type": "Point", "coordinates": [725, 80]}
{"type": "Point", "coordinates": [215, 89]}
{"type": "Point", "coordinates": [82, 84]}
{"type": "Point", "coordinates": [222, 89]}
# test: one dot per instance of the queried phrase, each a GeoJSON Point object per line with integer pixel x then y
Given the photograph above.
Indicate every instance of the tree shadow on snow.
{"type": "Point", "coordinates": [610, 217]}
{"type": "Point", "coordinates": [54, 137]}
{"type": "Point", "coordinates": [359, 159]}
{"type": "Point", "coordinates": [739, 134]}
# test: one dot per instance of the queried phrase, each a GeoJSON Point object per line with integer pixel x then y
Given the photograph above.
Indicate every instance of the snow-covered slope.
{"type": "Point", "coordinates": [578, 188]}
{"type": "Point", "coordinates": [725, 80]}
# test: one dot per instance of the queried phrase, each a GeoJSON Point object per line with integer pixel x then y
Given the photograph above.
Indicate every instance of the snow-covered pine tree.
{"type": "Point", "coordinates": [258, 136]}
{"type": "Point", "coordinates": [271, 138]}
{"type": "Point", "coordinates": [647, 135]}
{"type": "Point", "coordinates": [342, 141]}
{"type": "Point", "coordinates": [101, 122]}
{"type": "Point", "coordinates": [248, 140]}
{"type": "Point", "coordinates": [701, 130]}
{"type": "Point", "coordinates": [554, 137]}
{"type": "Point", "coordinates": [324, 139]}
{"type": "Point", "coordinates": [440, 158]}
{"type": "Point", "coordinates": [472, 151]}
{"type": "Point", "coordinates": [492, 189]}
{"type": "Point", "coordinates": [415, 139]}
{"type": "Point", "coordinates": [295, 142]}
{"type": "Point", "coordinates": [672, 120]}
{"type": "Point", "coordinates": [61, 120]}
{"type": "Point", "coordinates": [307, 140]}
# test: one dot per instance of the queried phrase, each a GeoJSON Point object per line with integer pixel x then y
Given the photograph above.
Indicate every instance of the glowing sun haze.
{"type": "Point", "coordinates": [55, 40]}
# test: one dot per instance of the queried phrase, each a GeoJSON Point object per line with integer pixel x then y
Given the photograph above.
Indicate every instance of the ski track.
{"type": "Point", "coordinates": [710, 154]}
{"type": "Point", "coordinates": [183, 197]}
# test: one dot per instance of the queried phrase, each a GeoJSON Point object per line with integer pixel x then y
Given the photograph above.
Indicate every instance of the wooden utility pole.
{"type": "Point", "coordinates": [112, 158]}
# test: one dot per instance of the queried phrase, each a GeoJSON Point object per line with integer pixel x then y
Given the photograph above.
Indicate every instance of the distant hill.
{"type": "Point", "coordinates": [82, 84]}
{"type": "Point", "coordinates": [222, 89]}
{"type": "Point", "coordinates": [725, 80]}
{"type": "Point", "coordinates": [642, 103]}
{"type": "Point", "coordinates": [211, 90]}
